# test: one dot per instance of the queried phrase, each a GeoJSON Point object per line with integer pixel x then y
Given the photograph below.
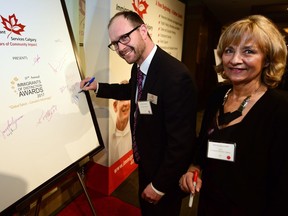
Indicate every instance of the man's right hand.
{"type": "Point", "coordinates": [92, 86]}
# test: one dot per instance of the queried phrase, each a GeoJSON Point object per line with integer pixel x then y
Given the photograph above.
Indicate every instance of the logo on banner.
{"type": "Point", "coordinates": [140, 6]}
{"type": "Point", "coordinates": [11, 24]}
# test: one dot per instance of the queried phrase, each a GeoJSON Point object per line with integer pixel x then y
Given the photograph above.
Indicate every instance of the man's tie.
{"type": "Point", "coordinates": [140, 77]}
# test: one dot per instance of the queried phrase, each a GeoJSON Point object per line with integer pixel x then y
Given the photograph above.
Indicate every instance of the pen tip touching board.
{"type": "Point", "coordinates": [87, 84]}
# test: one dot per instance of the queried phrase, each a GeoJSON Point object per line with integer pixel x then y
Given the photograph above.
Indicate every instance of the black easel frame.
{"type": "Point", "coordinates": [79, 174]}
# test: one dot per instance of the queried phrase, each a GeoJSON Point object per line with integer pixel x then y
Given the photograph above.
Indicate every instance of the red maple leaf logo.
{"type": "Point", "coordinates": [140, 6]}
{"type": "Point", "coordinates": [11, 24]}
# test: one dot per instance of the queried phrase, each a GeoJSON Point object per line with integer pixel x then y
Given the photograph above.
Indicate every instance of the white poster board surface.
{"type": "Point", "coordinates": [45, 124]}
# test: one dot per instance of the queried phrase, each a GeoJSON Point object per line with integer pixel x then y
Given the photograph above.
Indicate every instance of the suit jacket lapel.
{"type": "Point", "coordinates": [152, 76]}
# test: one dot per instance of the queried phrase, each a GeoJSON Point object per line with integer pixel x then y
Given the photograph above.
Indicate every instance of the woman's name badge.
{"type": "Point", "coordinates": [221, 151]}
{"type": "Point", "coordinates": [145, 107]}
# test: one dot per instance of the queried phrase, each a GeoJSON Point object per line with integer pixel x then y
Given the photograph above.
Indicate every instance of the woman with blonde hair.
{"type": "Point", "coordinates": [242, 146]}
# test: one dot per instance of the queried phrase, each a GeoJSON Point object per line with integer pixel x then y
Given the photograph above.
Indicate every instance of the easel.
{"type": "Point", "coordinates": [80, 174]}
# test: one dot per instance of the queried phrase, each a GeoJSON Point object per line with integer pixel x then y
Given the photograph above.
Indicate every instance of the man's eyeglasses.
{"type": "Point", "coordinates": [124, 39]}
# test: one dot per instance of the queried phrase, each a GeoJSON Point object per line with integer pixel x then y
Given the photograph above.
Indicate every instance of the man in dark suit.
{"type": "Point", "coordinates": [165, 112]}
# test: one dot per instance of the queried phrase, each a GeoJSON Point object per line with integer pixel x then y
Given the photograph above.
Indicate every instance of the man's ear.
{"type": "Point", "coordinates": [115, 106]}
{"type": "Point", "coordinates": [144, 31]}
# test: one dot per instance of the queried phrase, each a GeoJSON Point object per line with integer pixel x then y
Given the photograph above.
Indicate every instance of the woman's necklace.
{"type": "Point", "coordinates": [225, 118]}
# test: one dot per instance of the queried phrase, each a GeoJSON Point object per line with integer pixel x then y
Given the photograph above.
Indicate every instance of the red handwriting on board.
{"type": "Point", "coordinates": [11, 24]}
{"type": "Point", "coordinates": [36, 59]}
{"type": "Point", "coordinates": [47, 115]}
{"type": "Point", "coordinates": [57, 66]}
{"type": "Point", "coordinates": [11, 126]}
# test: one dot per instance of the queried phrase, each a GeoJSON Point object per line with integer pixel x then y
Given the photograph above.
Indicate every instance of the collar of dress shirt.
{"type": "Point", "coordinates": [145, 65]}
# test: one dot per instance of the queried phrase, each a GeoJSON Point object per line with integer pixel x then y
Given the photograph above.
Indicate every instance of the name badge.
{"type": "Point", "coordinates": [221, 151]}
{"type": "Point", "coordinates": [152, 98]}
{"type": "Point", "coordinates": [145, 107]}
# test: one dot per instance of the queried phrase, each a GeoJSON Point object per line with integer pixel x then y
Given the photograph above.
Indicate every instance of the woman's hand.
{"type": "Point", "coordinates": [186, 181]}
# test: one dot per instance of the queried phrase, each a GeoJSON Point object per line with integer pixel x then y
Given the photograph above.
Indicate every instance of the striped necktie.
{"type": "Point", "coordinates": [140, 77]}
